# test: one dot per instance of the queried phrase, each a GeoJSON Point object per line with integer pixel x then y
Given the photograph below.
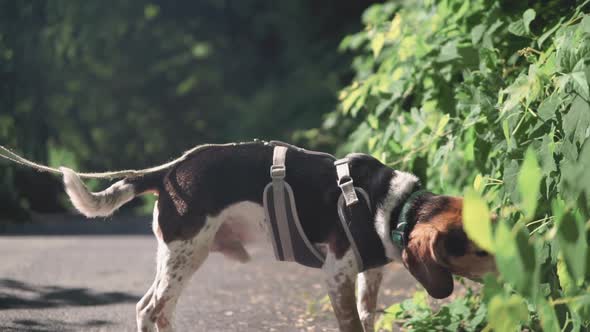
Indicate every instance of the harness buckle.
{"type": "Point", "coordinates": [341, 161]}
{"type": "Point", "coordinates": [277, 172]}
{"type": "Point", "coordinates": [398, 235]}
{"type": "Point", "coordinates": [347, 187]}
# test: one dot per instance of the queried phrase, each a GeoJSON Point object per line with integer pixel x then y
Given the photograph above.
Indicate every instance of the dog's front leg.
{"type": "Point", "coordinates": [368, 283]}
{"type": "Point", "coordinates": [341, 274]}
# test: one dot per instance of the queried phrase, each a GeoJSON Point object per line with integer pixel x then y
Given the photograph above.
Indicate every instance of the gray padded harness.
{"type": "Point", "coordinates": [290, 242]}
{"type": "Point", "coordinates": [288, 238]}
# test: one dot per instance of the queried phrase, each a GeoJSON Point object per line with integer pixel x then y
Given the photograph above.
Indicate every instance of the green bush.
{"type": "Point", "coordinates": [488, 99]}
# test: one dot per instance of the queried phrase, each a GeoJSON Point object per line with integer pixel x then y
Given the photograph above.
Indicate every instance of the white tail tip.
{"type": "Point", "coordinates": [100, 204]}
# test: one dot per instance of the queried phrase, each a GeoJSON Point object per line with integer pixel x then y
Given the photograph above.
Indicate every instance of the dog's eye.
{"type": "Point", "coordinates": [481, 253]}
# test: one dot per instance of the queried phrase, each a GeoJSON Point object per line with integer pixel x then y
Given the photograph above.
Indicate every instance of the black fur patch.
{"type": "Point", "coordinates": [456, 242]}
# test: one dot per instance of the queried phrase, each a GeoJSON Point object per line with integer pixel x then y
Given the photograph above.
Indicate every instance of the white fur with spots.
{"type": "Point", "coordinates": [340, 279]}
{"type": "Point", "coordinates": [178, 260]}
{"type": "Point", "coordinates": [368, 283]}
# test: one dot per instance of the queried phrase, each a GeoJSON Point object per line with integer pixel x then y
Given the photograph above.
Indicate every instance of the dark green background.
{"type": "Point", "coordinates": [100, 85]}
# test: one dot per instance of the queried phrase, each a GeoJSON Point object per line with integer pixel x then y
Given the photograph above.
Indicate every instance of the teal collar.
{"type": "Point", "coordinates": [400, 234]}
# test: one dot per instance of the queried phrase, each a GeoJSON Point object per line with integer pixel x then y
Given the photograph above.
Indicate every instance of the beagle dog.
{"type": "Point", "coordinates": [211, 200]}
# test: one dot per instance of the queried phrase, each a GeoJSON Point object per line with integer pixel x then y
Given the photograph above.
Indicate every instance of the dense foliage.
{"type": "Point", "coordinates": [486, 98]}
{"type": "Point", "coordinates": [107, 85]}
{"type": "Point", "coordinates": [489, 99]}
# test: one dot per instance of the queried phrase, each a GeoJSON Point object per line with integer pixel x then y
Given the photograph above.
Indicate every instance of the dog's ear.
{"type": "Point", "coordinates": [419, 257]}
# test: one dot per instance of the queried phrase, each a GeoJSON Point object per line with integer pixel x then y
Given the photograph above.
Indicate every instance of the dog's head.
{"type": "Point", "coordinates": [438, 247]}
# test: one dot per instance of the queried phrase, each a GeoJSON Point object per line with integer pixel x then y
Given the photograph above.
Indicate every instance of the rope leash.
{"type": "Point", "coordinates": [130, 173]}
{"type": "Point", "coordinates": [9, 155]}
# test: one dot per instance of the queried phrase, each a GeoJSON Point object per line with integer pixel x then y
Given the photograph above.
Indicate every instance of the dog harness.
{"type": "Point", "coordinates": [354, 210]}
{"type": "Point", "coordinates": [291, 244]}
{"type": "Point", "coordinates": [288, 238]}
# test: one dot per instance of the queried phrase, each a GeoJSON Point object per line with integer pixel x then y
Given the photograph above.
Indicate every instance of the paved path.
{"type": "Point", "coordinates": [91, 278]}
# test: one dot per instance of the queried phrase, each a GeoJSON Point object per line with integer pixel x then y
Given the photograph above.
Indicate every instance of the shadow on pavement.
{"type": "Point", "coordinates": [15, 294]}
{"type": "Point", "coordinates": [50, 325]}
{"type": "Point", "coordinates": [69, 224]}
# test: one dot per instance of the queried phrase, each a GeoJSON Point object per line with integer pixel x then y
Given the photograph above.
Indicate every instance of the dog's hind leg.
{"type": "Point", "coordinates": [142, 324]}
{"type": "Point", "coordinates": [145, 300]}
{"type": "Point", "coordinates": [177, 261]}
{"type": "Point", "coordinates": [368, 283]}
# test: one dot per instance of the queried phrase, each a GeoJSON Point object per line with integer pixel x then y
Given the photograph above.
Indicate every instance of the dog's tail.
{"type": "Point", "coordinates": [104, 203]}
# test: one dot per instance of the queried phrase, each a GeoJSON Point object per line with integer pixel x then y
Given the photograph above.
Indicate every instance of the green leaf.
{"type": "Point", "coordinates": [351, 98]}
{"type": "Point", "coordinates": [377, 44]}
{"type": "Point", "coordinates": [529, 180]}
{"type": "Point", "coordinates": [548, 107]}
{"type": "Point", "coordinates": [448, 52]}
{"type": "Point", "coordinates": [515, 258]}
{"type": "Point", "coordinates": [477, 33]}
{"type": "Point", "coordinates": [478, 183]}
{"type": "Point", "coordinates": [476, 220]}
{"type": "Point", "coordinates": [585, 24]}
{"type": "Point", "coordinates": [581, 306]}
{"type": "Point", "coordinates": [506, 131]}
{"type": "Point", "coordinates": [546, 155]}
{"type": "Point", "coordinates": [568, 285]}
{"type": "Point", "coordinates": [442, 124]}
{"type": "Point", "coordinates": [576, 122]}
{"type": "Point", "coordinates": [527, 18]}
{"type": "Point", "coordinates": [517, 91]}
{"type": "Point", "coordinates": [507, 314]}
{"type": "Point", "coordinates": [517, 28]}
{"type": "Point", "coordinates": [581, 83]}
{"type": "Point", "coordinates": [389, 317]}
{"type": "Point", "coordinates": [548, 318]}
{"type": "Point", "coordinates": [549, 32]}
{"type": "Point", "coordinates": [509, 178]}
{"type": "Point", "coordinates": [151, 11]}
{"type": "Point", "coordinates": [373, 121]}
{"type": "Point", "coordinates": [491, 287]}
{"type": "Point", "coordinates": [571, 236]}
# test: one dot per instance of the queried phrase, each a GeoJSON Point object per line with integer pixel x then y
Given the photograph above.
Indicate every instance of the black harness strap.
{"type": "Point", "coordinates": [290, 242]}
{"type": "Point", "coordinates": [356, 217]}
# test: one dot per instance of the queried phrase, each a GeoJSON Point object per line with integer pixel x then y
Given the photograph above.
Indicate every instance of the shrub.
{"type": "Point", "coordinates": [489, 99]}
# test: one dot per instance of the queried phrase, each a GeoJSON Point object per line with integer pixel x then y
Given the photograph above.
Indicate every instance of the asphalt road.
{"type": "Point", "coordinates": [65, 273]}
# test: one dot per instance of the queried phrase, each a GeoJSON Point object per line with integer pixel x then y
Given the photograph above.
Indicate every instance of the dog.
{"type": "Point", "coordinates": [211, 200]}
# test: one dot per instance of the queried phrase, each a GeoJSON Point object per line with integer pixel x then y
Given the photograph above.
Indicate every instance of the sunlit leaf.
{"type": "Point", "coordinates": [527, 17]}
{"type": "Point", "coordinates": [507, 314]}
{"type": "Point", "coordinates": [517, 92]}
{"type": "Point", "coordinates": [478, 183]}
{"type": "Point", "coordinates": [476, 220]}
{"type": "Point", "coordinates": [529, 180]}
{"type": "Point", "coordinates": [568, 285]}
{"type": "Point", "coordinates": [395, 28]}
{"type": "Point", "coordinates": [377, 44]}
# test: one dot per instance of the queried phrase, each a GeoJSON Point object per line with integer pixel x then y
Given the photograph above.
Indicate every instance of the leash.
{"type": "Point", "coordinates": [9, 155]}
{"type": "Point", "coordinates": [5, 153]}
